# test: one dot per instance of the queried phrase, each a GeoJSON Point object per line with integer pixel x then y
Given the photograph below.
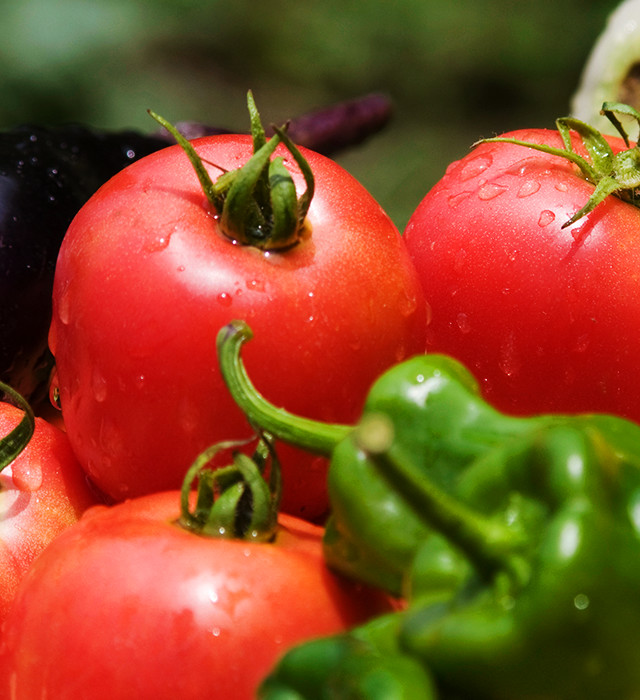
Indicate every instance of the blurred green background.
{"type": "Point", "coordinates": [456, 70]}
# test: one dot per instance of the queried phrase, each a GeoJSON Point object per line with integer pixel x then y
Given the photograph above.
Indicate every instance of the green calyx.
{"type": "Point", "coordinates": [610, 173]}
{"type": "Point", "coordinates": [12, 444]}
{"type": "Point", "coordinates": [237, 501]}
{"type": "Point", "coordinates": [256, 204]}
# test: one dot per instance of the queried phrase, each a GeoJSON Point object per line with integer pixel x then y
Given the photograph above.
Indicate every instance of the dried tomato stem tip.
{"type": "Point", "coordinates": [257, 204]}
{"type": "Point", "coordinates": [610, 173]}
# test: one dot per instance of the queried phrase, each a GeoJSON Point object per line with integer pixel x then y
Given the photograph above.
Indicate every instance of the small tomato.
{"type": "Point", "coordinates": [42, 492]}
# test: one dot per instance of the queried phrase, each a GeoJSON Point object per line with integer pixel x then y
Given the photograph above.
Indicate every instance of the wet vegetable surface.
{"type": "Point", "coordinates": [46, 175]}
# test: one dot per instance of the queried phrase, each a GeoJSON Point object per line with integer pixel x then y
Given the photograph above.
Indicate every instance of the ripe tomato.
{"type": "Point", "coordinates": [144, 282]}
{"type": "Point", "coordinates": [546, 317]}
{"type": "Point", "coordinates": [126, 604]}
{"type": "Point", "coordinates": [42, 492]}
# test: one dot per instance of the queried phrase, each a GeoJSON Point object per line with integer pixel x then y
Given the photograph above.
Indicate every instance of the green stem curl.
{"type": "Point", "coordinates": [491, 546]}
{"type": "Point", "coordinates": [611, 173]}
{"type": "Point", "coordinates": [313, 436]}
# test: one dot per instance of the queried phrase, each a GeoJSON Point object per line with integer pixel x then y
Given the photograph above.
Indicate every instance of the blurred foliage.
{"type": "Point", "coordinates": [455, 69]}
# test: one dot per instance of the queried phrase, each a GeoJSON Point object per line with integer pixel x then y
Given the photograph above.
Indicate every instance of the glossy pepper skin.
{"type": "Point", "coordinates": [521, 556]}
{"type": "Point", "coordinates": [46, 175]}
{"type": "Point", "coordinates": [441, 422]}
{"type": "Point", "coordinates": [365, 663]}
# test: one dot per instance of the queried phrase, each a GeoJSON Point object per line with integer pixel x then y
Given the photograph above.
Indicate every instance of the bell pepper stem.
{"type": "Point", "coordinates": [490, 545]}
{"type": "Point", "coordinates": [313, 436]}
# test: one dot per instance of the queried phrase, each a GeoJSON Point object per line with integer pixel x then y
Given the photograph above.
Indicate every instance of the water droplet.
{"type": "Point", "coordinates": [561, 186]}
{"type": "Point", "coordinates": [581, 601]}
{"type": "Point", "coordinates": [407, 305]}
{"type": "Point", "coordinates": [546, 217]}
{"type": "Point", "coordinates": [215, 631]}
{"type": "Point", "coordinates": [157, 244]}
{"type": "Point", "coordinates": [26, 475]}
{"type": "Point", "coordinates": [99, 386]}
{"type": "Point", "coordinates": [63, 307]}
{"type": "Point", "coordinates": [459, 261]}
{"type": "Point", "coordinates": [582, 343]}
{"type": "Point", "coordinates": [474, 167]}
{"type": "Point", "coordinates": [400, 353]}
{"type": "Point", "coordinates": [491, 190]}
{"type": "Point", "coordinates": [509, 363]}
{"type": "Point", "coordinates": [54, 391]}
{"type": "Point", "coordinates": [462, 321]}
{"type": "Point", "coordinates": [580, 231]}
{"type": "Point", "coordinates": [256, 285]}
{"type": "Point", "coordinates": [455, 199]}
{"type": "Point", "coordinates": [110, 443]}
{"type": "Point", "coordinates": [188, 416]}
{"type": "Point", "coordinates": [528, 188]}
{"type": "Point", "coordinates": [225, 299]}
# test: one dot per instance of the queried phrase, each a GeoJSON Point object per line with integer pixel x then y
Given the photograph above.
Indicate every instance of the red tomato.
{"type": "Point", "coordinates": [42, 492]}
{"type": "Point", "coordinates": [126, 604]}
{"type": "Point", "coordinates": [547, 318]}
{"type": "Point", "coordinates": [144, 282]}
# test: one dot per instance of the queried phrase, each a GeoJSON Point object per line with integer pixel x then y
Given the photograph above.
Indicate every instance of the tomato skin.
{"type": "Point", "coordinates": [144, 282]}
{"type": "Point", "coordinates": [548, 319]}
{"type": "Point", "coordinates": [137, 607]}
{"type": "Point", "coordinates": [42, 492]}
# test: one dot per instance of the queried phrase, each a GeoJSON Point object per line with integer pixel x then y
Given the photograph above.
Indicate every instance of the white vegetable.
{"type": "Point", "coordinates": [612, 71]}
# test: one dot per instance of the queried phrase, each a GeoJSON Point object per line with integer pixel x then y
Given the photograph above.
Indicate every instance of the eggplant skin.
{"type": "Point", "coordinates": [46, 175]}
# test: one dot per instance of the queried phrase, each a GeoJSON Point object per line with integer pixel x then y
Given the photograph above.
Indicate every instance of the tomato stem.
{"type": "Point", "coordinates": [610, 173]}
{"type": "Point", "coordinates": [313, 436]}
{"type": "Point", "coordinates": [492, 547]}
{"type": "Point", "coordinates": [235, 501]}
{"type": "Point", "coordinates": [257, 204]}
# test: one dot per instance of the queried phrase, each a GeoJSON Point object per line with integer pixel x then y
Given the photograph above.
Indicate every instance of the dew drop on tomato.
{"type": "Point", "coordinates": [27, 476]}
{"type": "Point", "coordinates": [491, 190]}
{"type": "Point", "coordinates": [546, 217]}
{"type": "Point", "coordinates": [528, 188]}
{"type": "Point", "coordinates": [99, 386]}
{"type": "Point", "coordinates": [63, 307]}
{"type": "Point", "coordinates": [462, 321]}
{"type": "Point", "coordinates": [475, 167]}
{"type": "Point", "coordinates": [457, 198]}
{"type": "Point", "coordinates": [54, 391]}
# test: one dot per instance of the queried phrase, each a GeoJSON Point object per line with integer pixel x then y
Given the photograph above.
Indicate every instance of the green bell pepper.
{"type": "Point", "coordinates": [516, 541]}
